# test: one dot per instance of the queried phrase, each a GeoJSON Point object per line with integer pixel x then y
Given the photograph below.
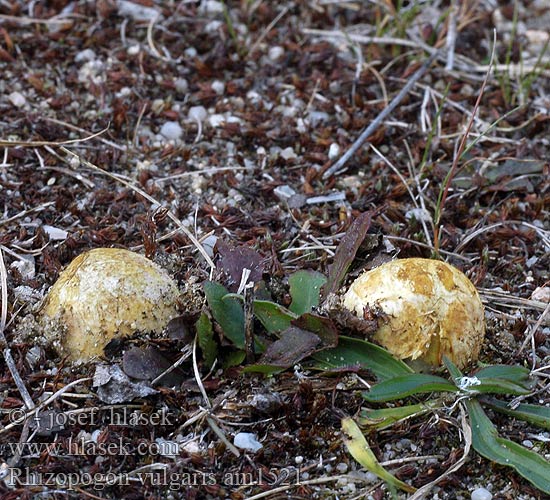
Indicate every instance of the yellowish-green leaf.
{"type": "Point", "coordinates": [360, 450]}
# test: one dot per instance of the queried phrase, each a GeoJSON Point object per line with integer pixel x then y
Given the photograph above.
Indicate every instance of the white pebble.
{"type": "Point", "coordinates": [55, 233]}
{"type": "Point", "coordinates": [171, 131]}
{"type": "Point", "coordinates": [213, 26]}
{"type": "Point", "coordinates": [342, 468]}
{"type": "Point", "coordinates": [481, 494]}
{"type": "Point", "coordinates": [247, 441]}
{"type": "Point", "coordinates": [211, 7]}
{"type": "Point", "coordinates": [197, 113]}
{"type": "Point", "coordinates": [209, 243]}
{"type": "Point", "coordinates": [133, 50]}
{"type": "Point", "coordinates": [17, 99]}
{"type": "Point", "coordinates": [275, 53]}
{"type": "Point", "coordinates": [136, 12]}
{"type": "Point", "coordinates": [85, 55]}
{"type": "Point", "coordinates": [299, 460]}
{"type": "Point", "coordinates": [288, 154]}
{"type": "Point", "coordinates": [218, 87]}
{"type": "Point", "coordinates": [181, 85]}
{"type": "Point", "coordinates": [333, 151]}
{"type": "Point", "coordinates": [284, 192]}
{"type": "Point", "coordinates": [216, 120]}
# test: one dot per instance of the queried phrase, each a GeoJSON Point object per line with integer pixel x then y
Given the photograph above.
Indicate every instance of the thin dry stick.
{"type": "Point", "coordinates": [467, 431]}
{"type": "Point", "coordinates": [33, 144]}
{"type": "Point", "coordinates": [339, 165]}
{"type": "Point", "coordinates": [25, 416]}
{"type": "Point", "coordinates": [461, 148]}
{"type": "Point", "coordinates": [269, 27]}
{"type": "Point", "coordinates": [531, 335]}
{"type": "Point", "coordinates": [10, 362]}
{"type": "Point", "coordinates": [171, 215]}
{"type": "Point", "coordinates": [451, 37]}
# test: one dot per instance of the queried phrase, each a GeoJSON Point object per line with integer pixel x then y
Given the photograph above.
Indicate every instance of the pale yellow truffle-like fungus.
{"type": "Point", "coordinates": [107, 293]}
{"type": "Point", "coordinates": [425, 309]}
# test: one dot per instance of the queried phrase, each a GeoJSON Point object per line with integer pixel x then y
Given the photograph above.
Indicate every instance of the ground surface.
{"type": "Point", "coordinates": [228, 118]}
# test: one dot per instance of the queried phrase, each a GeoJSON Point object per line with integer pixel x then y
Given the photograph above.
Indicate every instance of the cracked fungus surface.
{"type": "Point", "coordinates": [109, 292]}
{"type": "Point", "coordinates": [425, 309]}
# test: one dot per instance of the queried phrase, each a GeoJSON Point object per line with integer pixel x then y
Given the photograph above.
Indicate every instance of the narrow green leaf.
{"type": "Point", "coordinates": [500, 386]}
{"type": "Point", "coordinates": [453, 369]}
{"type": "Point", "coordinates": [386, 417]}
{"type": "Point", "coordinates": [489, 444]}
{"type": "Point", "coordinates": [360, 450]}
{"type": "Point", "coordinates": [514, 373]}
{"type": "Point", "coordinates": [274, 318]}
{"type": "Point", "coordinates": [205, 336]}
{"type": "Point", "coordinates": [534, 414]}
{"type": "Point", "coordinates": [305, 290]}
{"type": "Point", "coordinates": [407, 385]}
{"type": "Point", "coordinates": [360, 353]}
{"type": "Point", "coordinates": [228, 313]}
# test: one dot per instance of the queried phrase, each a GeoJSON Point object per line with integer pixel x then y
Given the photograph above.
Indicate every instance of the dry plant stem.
{"type": "Point", "coordinates": [269, 27]}
{"type": "Point", "coordinates": [339, 165]}
{"type": "Point", "coordinates": [43, 404]}
{"type": "Point", "coordinates": [530, 336]}
{"type": "Point", "coordinates": [186, 353]}
{"type": "Point", "coordinates": [172, 217]}
{"type": "Point", "coordinates": [33, 144]}
{"type": "Point", "coordinates": [461, 147]}
{"type": "Point", "coordinates": [450, 42]}
{"type": "Point", "coordinates": [10, 362]}
{"type": "Point", "coordinates": [467, 432]}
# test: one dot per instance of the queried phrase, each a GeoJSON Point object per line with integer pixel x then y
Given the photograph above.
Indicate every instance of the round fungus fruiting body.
{"type": "Point", "coordinates": [107, 293]}
{"type": "Point", "coordinates": [425, 309]}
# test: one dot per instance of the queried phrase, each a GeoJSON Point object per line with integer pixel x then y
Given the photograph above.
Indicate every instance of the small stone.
{"type": "Point", "coordinates": [333, 151]}
{"type": "Point", "coordinates": [85, 55]}
{"type": "Point", "coordinates": [218, 87]}
{"type": "Point", "coordinates": [55, 233]}
{"type": "Point", "coordinates": [197, 113]}
{"type": "Point", "coordinates": [342, 468]}
{"type": "Point", "coordinates": [171, 131]}
{"type": "Point", "coordinates": [288, 154]}
{"type": "Point", "coordinates": [275, 53]}
{"type": "Point", "coordinates": [133, 50]}
{"type": "Point", "coordinates": [211, 7]}
{"type": "Point", "coordinates": [284, 192]}
{"type": "Point", "coordinates": [17, 99]}
{"type": "Point", "coordinates": [181, 85]}
{"type": "Point", "coordinates": [247, 441]}
{"type": "Point", "coordinates": [216, 120]}
{"type": "Point", "coordinates": [481, 494]}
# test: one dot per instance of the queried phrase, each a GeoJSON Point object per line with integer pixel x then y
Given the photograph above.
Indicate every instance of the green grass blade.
{"type": "Point", "coordinates": [489, 444]}
{"type": "Point", "coordinates": [305, 290]}
{"type": "Point", "coordinates": [352, 352]}
{"type": "Point", "coordinates": [407, 385]}
{"type": "Point", "coordinates": [534, 414]}
{"type": "Point", "coordinates": [360, 450]}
